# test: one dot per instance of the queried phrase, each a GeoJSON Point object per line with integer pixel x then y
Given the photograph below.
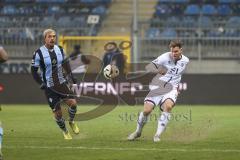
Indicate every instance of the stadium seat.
{"type": "Point", "coordinates": [180, 1]}
{"type": "Point", "coordinates": [172, 22]}
{"type": "Point", "coordinates": [208, 9]}
{"type": "Point", "coordinates": [205, 22]}
{"type": "Point", "coordinates": [168, 32]}
{"type": "Point", "coordinates": [192, 9]}
{"type": "Point", "coordinates": [101, 10]}
{"type": "Point", "coordinates": [226, 1]}
{"type": "Point", "coordinates": [162, 10]}
{"type": "Point", "coordinates": [224, 10]}
{"type": "Point", "coordinates": [54, 10]}
{"type": "Point", "coordinates": [9, 9]}
{"type": "Point", "coordinates": [177, 9]}
{"type": "Point", "coordinates": [64, 21]}
{"type": "Point", "coordinates": [152, 33]}
{"type": "Point", "coordinates": [189, 22]}
{"type": "Point", "coordinates": [79, 21]}
{"type": "Point", "coordinates": [231, 33]}
{"type": "Point", "coordinates": [88, 1]}
{"type": "Point", "coordinates": [48, 21]}
{"type": "Point", "coordinates": [214, 33]}
{"type": "Point", "coordinates": [233, 22]}
{"type": "Point", "coordinates": [164, 1]}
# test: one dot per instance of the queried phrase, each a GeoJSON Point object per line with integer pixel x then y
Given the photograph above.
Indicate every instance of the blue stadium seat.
{"type": "Point", "coordinates": [88, 1]}
{"type": "Point", "coordinates": [172, 22]}
{"type": "Point", "coordinates": [180, 1]}
{"type": "Point", "coordinates": [48, 21]}
{"type": "Point", "coordinates": [208, 9]}
{"type": "Point", "coordinates": [189, 22]}
{"type": "Point", "coordinates": [192, 9]}
{"type": "Point", "coordinates": [54, 1]}
{"type": "Point", "coordinates": [101, 10]}
{"type": "Point", "coordinates": [224, 10]}
{"type": "Point", "coordinates": [177, 9]}
{"type": "Point", "coordinates": [226, 1]}
{"type": "Point", "coordinates": [54, 10]}
{"type": "Point", "coordinates": [79, 21]}
{"type": "Point", "coordinates": [233, 22]}
{"type": "Point", "coordinates": [231, 33]}
{"type": "Point", "coordinates": [162, 10]}
{"type": "Point", "coordinates": [168, 32]}
{"type": "Point", "coordinates": [152, 33]}
{"type": "Point", "coordinates": [214, 33]}
{"type": "Point", "coordinates": [163, 1]}
{"type": "Point", "coordinates": [205, 22]}
{"type": "Point", "coordinates": [64, 21]}
{"type": "Point", "coordinates": [9, 9]}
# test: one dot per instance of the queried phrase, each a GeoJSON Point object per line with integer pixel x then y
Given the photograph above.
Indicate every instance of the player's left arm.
{"type": "Point", "coordinates": [3, 55]}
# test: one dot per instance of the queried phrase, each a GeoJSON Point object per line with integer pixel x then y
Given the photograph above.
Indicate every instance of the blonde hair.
{"type": "Point", "coordinates": [47, 31]}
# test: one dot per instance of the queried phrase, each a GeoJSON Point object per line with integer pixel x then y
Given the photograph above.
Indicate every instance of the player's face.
{"type": "Point", "coordinates": [176, 53]}
{"type": "Point", "coordinates": [50, 40]}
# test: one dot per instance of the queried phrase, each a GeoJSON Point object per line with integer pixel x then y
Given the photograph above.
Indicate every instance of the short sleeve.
{"type": "Point", "coordinates": [36, 60]}
{"type": "Point", "coordinates": [158, 61]}
{"type": "Point", "coordinates": [62, 51]}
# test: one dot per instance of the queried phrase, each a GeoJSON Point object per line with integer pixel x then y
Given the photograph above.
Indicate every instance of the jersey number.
{"type": "Point", "coordinates": [174, 71]}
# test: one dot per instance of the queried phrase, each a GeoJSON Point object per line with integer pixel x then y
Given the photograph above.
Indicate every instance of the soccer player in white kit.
{"type": "Point", "coordinates": [175, 63]}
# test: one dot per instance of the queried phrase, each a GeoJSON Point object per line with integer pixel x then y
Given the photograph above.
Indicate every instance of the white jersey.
{"type": "Point", "coordinates": [174, 70]}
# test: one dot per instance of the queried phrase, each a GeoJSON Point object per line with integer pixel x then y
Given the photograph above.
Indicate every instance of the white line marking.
{"type": "Point", "coordinates": [125, 149]}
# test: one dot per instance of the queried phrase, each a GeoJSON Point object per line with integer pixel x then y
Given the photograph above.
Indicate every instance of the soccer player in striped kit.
{"type": "Point", "coordinates": [50, 58]}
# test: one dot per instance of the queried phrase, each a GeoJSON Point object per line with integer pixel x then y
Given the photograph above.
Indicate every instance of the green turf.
{"type": "Point", "coordinates": [196, 132]}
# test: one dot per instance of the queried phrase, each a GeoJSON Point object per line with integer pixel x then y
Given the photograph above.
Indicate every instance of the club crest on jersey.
{"type": "Point", "coordinates": [54, 62]}
{"type": "Point", "coordinates": [182, 64]}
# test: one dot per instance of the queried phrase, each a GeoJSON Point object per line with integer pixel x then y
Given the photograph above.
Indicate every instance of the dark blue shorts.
{"type": "Point", "coordinates": [55, 95]}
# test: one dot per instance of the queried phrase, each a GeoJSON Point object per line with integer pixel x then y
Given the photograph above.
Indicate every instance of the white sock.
{"type": "Point", "coordinates": [142, 120]}
{"type": "Point", "coordinates": [162, 122]}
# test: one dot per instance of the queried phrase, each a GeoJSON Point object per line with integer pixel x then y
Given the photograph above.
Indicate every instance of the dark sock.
{"type": "Point", "coordinates": [72, 112]}
{"type": "Point", "coordinates": [61, 124]}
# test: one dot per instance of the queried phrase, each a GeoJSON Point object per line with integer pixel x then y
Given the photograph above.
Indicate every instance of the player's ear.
{"type": "Point", "coordinates": [181, 49]}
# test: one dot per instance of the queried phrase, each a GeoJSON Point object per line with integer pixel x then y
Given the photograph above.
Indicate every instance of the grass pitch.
{"type": "Point", "coordinates": [194, 132]}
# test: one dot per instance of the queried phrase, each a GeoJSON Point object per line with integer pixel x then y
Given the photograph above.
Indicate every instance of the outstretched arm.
{"type": "Point", "coordinates": [152, 67]}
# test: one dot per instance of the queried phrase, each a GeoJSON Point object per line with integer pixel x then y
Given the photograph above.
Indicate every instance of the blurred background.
{"type": "Point", "coordinates": [209, 29]}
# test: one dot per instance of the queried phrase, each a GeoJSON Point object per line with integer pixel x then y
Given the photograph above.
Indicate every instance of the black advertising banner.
{"type": "Point", "coordinates": [194, 89]}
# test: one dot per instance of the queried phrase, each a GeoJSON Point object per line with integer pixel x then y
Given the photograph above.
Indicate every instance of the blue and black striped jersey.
{"type": "Point", "coordinates": [51, 64]}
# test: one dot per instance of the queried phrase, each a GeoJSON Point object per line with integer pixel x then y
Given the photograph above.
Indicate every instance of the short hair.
{"type": "Point", "coordinates": [175, 43]}
{"type": "Point", "coordinates": [47, 31]}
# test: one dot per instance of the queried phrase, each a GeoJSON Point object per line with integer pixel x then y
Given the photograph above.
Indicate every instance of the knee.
{"type": "Point", "coordinates": [71, 102]}
{"type": "Point", "coordinates": [147, 109]}
{"type": "Point", "coordinates": [167, 106]}
{"type": "Point", "coordinates": [58, 114]}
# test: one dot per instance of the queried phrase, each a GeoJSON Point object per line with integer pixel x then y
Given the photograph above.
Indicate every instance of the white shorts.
{"type": "Point", "coordinates": [159, 100]}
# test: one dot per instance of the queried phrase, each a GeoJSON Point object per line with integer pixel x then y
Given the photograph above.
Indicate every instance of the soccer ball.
{"type": "Point", "coordinates": [110, 71]}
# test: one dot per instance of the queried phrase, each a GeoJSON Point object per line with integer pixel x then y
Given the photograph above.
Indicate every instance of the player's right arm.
{"type": "Point", "coordinates": [34, 69]}
{"type": "Point", "coordinates": [3, 55]}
